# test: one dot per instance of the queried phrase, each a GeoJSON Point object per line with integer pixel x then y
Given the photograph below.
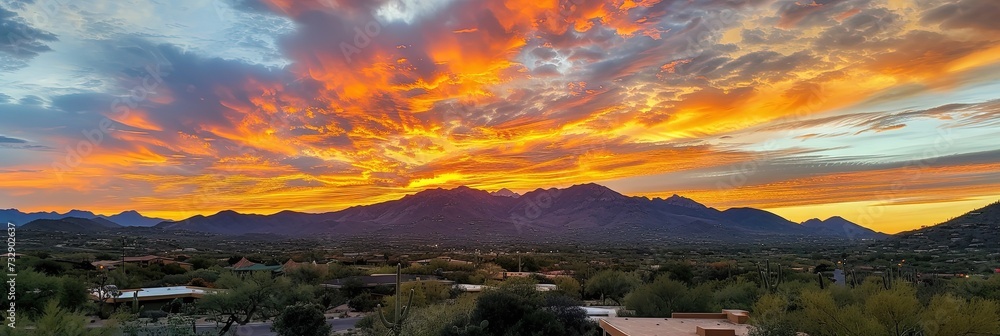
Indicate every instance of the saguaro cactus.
{"type": "Point", "coordinates": [889, 278]}
{"type": "Point", "coordinates": [396, 326]}
{"type": "Point", "coordinates": [766, 279]}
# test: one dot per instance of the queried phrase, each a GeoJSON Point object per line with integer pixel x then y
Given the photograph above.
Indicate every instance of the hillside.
{"type": "Point", "coordinates": [133, 218]}
{"type": "Point", "coordinates": [580, 213]}
{"type": "Point", "coordinates": [976, 230]}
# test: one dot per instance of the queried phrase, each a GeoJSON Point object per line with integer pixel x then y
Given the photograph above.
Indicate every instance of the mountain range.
{"type": "Point", "coordinates": [126, 218]}
{"type": "Point", "coordinates": [578, 213]}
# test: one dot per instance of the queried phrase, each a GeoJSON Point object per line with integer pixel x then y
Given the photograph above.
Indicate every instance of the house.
{"type": "Point", "coordinates": [479, 288]}
{"type": "Point", "coordinates": [291, 264]}
{"type": "Point", "coordinates": [245, 265]}
{"type": "Point", "coordinates": [549, 275]}
{"type": "Point", "coordinates": [726, 323]}
{"type": "Point", "coordinates": [448, 260]}
{"type": "Point", "coordinates": [155, 297]}
{"type": "Point", "coordinates": [143, 261]}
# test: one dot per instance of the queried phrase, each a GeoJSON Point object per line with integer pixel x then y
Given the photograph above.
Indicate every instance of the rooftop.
{"type": "Point", "coordinates": [727, 323]}
{"type": "Point", "coordinates": [159, 293]}
{"type": "Point", "coordinates": [259, 267]}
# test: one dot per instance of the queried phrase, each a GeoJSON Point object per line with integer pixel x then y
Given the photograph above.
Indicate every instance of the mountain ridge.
{"type": "Point", "coordinates": [124, 218]}
{"type": "Point", "coordinates": [576, 211]}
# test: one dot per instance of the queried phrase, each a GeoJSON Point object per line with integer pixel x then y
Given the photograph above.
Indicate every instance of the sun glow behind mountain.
{"type": "Point", "coordinates": [884, 112]}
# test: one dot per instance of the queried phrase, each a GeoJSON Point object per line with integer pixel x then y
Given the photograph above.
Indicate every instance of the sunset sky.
{"type": "Point", "coordinates": [885, 112]}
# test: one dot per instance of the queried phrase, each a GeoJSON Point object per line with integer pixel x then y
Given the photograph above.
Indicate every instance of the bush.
{"type": "Point", "coordinates": [201, 263]}
{"type": "Point", "coordinates": [208, 275]}
{"type": "Point", "coordinates": [173, 269]}
{"type": "Point", "coordinates": [49, 267]}
{"type": "Point", "coordinates": [301, 320]}
{"type": "Point", "coordinates": [176, 279]}
{"type": "Point", "coordinates": [365, 302]}
{"type": "Point", "coordinates": [612, 285]}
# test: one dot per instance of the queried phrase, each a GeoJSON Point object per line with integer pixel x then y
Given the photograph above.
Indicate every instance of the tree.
{"type": "Point", "coordinates": [256, 296]}
{"type": "Point", "coordinates": [518, 309]}
{"type": "Point", "coordinates": [446, 318]}
{"type": "Point", "coordinates": [506, 307]}
{"type": "Point", "coordinates": [49, 267]}
{"type": "Point", "coordinates": [301, 320]}
{"type": "Point", "coordinates": [424, 293]}
{"type": "Point", "coordinates": [679, 271]}
{"type": "Point", "coordinates": [568, 285]}
{"type": "Point", "coordinates": [352, 287]}
{"type": "Point", "coordinates": [34, 290]}
{"type": "Point", "coordinates": [173, 269]}
{"type": "Point", "coordinates": [59, 321]}
{"type": "Point", "coordinates": [201, 263]}
{"type": "Point", "coordinates": [821, 316]}
{"type": "Point", "coordinates": [365, 302]}
{"type": "Point", "coordinates": [330, 298]}
{"type": "Point", "coordinates": [612, 285]}
{"type": "Point", "coordinates": [824, 266]}
{"type": "Point", "coordinates": [487, 272]}
{"type": "Point", "coordinates": [658, 299]}
{"type": "Point", "coordinates": [307, 273]}
{"type": "Point", "coordinates": [951, 315]}
{"type": "Point", "coordinates": [737, 295]}
{"type": "Point", "coordinates": [568, 312]}
{"type": "Point", "coordinates": [897, 310]}
{"type": "Point", "coordinates": [73, 293]}
{"type": "Point", "coordinates": [770, 317]}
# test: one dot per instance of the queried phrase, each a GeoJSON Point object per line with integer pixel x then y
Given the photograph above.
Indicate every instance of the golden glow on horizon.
{"type": "Point", "coordinates": [890, 218]}
{"type": "Point", "coordinates": [524, 95]}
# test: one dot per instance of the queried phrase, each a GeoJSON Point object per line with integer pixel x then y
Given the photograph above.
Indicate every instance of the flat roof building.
{"type": "Point", "coordinates": [153, 298]}
{"type": "Point", "coordinates": [727, 323]}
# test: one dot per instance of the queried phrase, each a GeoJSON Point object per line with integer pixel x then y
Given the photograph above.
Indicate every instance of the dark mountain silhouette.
{"type": "Point", "coordinates": [21, 218]}
{"type": "Point", "coordinates": [133, 218]}
{"type": "Point", "coordinates": [505, 192]}
{"type": "Point", "coordinates": [763, 221]}
{"type": "Point", "coordinates": [70, 224]}
{"type": "Point", "coordinates": [578, 213]}
{"type": "Point", "coordinates": [976, 229]}
{"type": "Point", "coordinates": [127, 218]}
{"type": "Point", "coordinates": [839, 227]}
